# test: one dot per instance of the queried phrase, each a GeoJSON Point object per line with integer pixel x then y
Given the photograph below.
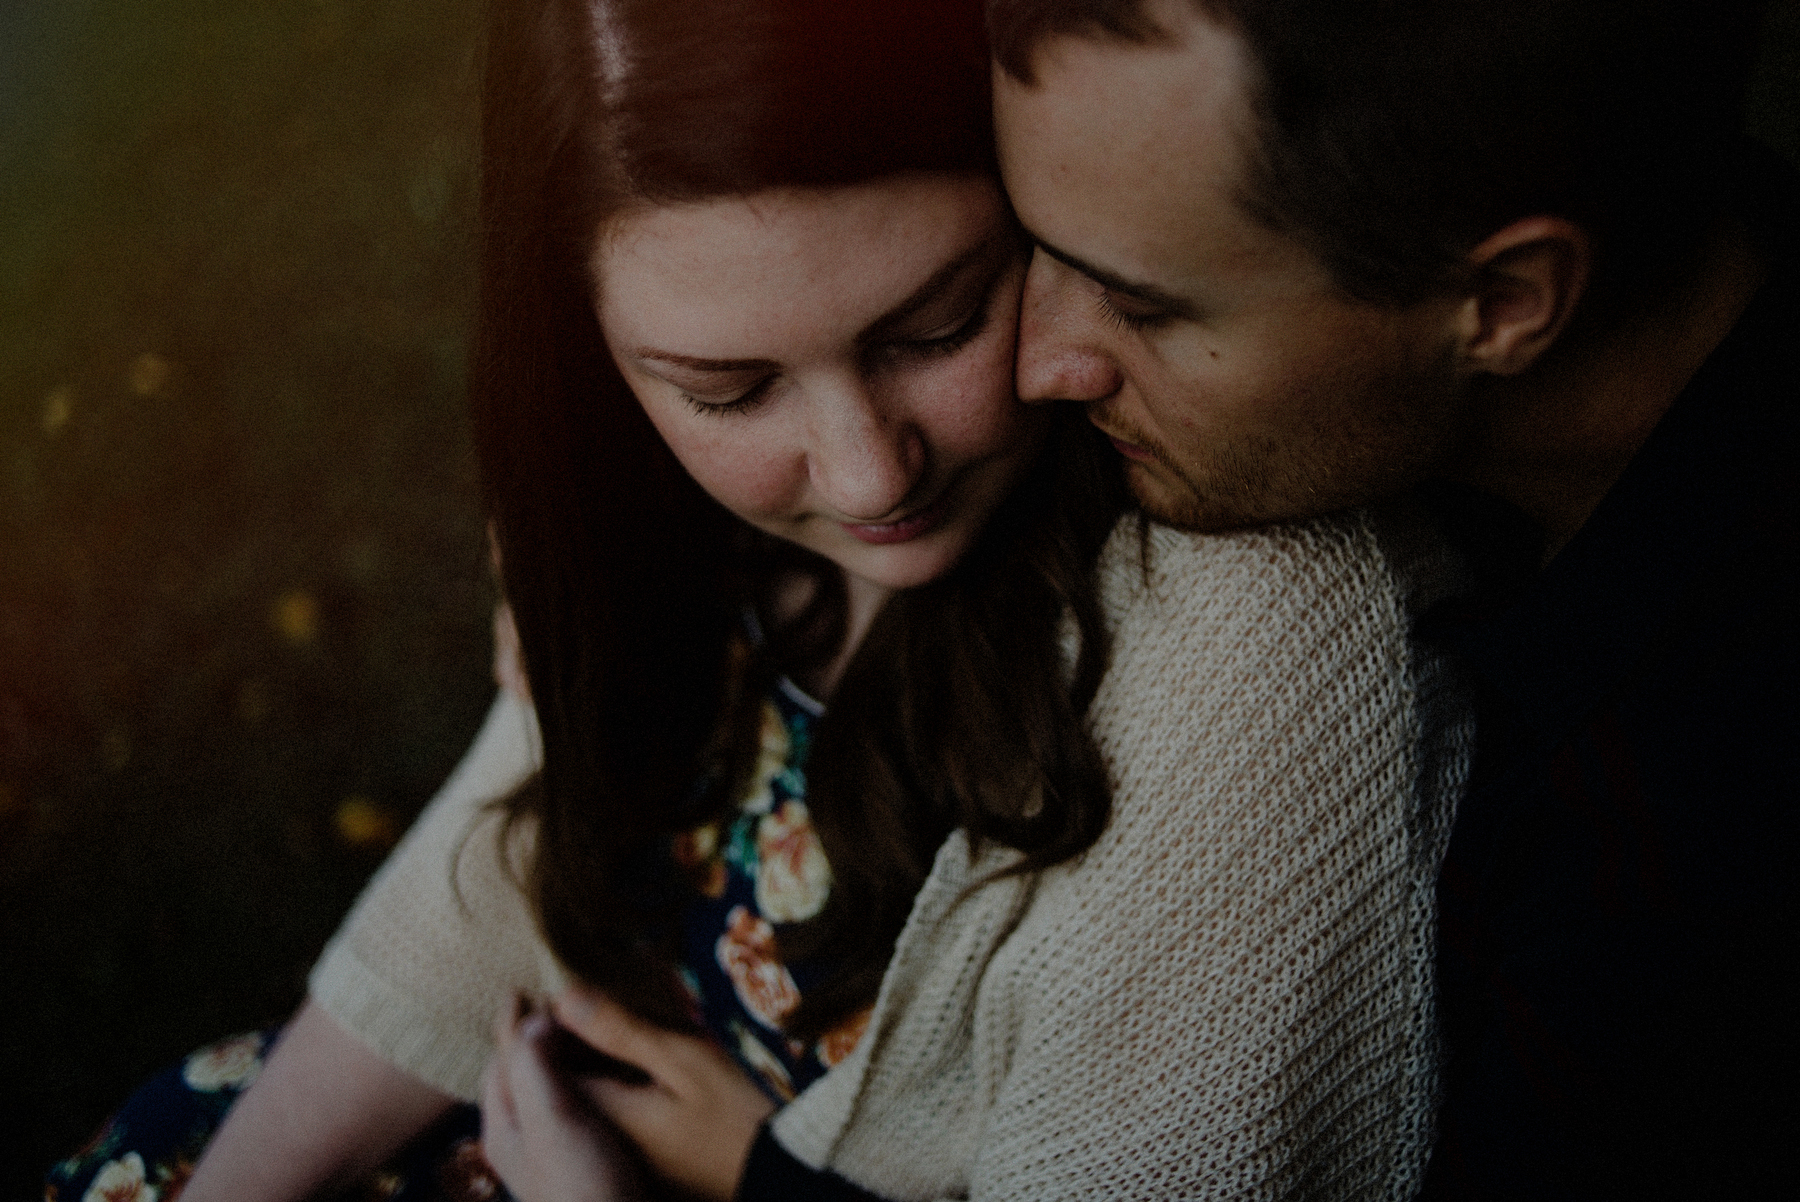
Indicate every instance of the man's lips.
{"type": "Point", "coordinates": [1131, 450]}
{"type": "Point", "coordinates": [906, 529]}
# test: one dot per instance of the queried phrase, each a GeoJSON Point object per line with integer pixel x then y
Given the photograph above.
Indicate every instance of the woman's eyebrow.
{"type": "Point", "coordinates": [930, 290]}
{"type": "Point", "coordinates": [922, 296]}
{"type": "Point", "coordinates": [695, 363]}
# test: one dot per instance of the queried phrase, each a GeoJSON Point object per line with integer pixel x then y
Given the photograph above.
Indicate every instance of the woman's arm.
{"type": "Point", "coordinates": [440, 931]}
{"type": "Point", "coordinates": [325, 1110]}
{"type": "Point", "coordinates": [435, 936]}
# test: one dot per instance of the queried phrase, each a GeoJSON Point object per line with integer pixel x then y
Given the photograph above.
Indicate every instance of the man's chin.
{"type": "Point", "coordinates": [1163, 502]}
{"type": "Point", "coordinates": [1175, 503]}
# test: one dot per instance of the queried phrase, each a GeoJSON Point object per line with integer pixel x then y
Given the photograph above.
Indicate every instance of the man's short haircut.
{"type": "Point", "coordinates": [1392, 136]}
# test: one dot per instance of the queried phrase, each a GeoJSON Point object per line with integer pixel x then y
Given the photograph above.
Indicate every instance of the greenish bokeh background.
{"type": "Point", "coordinates": [243, 600]}
{"type": "Point", "coordinates": [243, 594]}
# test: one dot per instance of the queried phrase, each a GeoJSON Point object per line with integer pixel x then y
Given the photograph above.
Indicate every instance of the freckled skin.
{"type": "Point", "coordinates": [1251, 388]}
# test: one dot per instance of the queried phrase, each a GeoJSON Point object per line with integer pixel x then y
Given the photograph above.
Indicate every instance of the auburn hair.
{"type": "Point", "coordinates": [629, 584]}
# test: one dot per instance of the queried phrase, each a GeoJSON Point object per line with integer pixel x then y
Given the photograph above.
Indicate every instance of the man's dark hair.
{"type": "Point", "coordinates": [1394, 135]}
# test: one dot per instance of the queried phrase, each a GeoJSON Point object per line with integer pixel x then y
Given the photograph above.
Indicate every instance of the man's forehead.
{"type": "Point", "coordinates": [1132, 91]}
{"type": "Point", "coordinates": [1130, 154]}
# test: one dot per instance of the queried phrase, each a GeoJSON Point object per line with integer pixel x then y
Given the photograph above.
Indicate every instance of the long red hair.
{"type": "Point", "coordinates": [628, 582]}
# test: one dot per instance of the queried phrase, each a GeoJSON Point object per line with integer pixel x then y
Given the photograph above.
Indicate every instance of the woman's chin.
{"type": "Point", "coordinates": [896, 566]}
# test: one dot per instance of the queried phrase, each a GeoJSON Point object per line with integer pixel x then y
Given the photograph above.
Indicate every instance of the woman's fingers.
{"type": "Point", "coordinates": [696, 1118]}
{"type": "Point", "coordinates": [604, 1024]}
{"type": "Point", "coordinates": [539, 1133]}
{"type": "Point", "coordinates": [499, 1121]}
{"type": "Point", "coordinates": [508, 1017]}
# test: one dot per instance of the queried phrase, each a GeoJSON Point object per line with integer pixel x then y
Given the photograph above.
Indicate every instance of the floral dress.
{"type": "Point", "coordinates": [760, 867]}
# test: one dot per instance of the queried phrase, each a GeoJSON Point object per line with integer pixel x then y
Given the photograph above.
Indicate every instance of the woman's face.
{"type": "Point", "coordinates": [833, 366]}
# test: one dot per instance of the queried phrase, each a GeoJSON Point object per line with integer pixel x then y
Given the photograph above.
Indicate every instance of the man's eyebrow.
{"type": "Point", "coordinates": [1149, 294]}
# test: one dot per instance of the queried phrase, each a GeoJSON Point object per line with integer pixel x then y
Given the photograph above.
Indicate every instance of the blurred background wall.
{"type": "Point", "coordinates": [243, 592]}
{"type": "Point", "coordinates": [243, 600]}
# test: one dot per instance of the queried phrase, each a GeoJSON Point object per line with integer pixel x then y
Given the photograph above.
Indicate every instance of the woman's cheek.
{"type": "Point", "coordinates": [979, 413]}
{"type": "Point", "coordinates": [730, 472]}
{"type": "Point", "coordinates": [749, 485]}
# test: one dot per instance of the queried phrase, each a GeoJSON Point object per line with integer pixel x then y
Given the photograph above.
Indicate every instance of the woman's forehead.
{"type": "Point", "coordinates": [737, 272]}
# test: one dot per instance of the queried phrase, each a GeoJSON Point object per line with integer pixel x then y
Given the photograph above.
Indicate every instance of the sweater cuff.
{"type": "Point", "coordinates": [772, 1174]}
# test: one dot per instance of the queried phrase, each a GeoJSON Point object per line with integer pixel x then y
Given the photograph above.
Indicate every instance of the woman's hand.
{"type": "Point", "coordinates": [696, 1117]}
{"type": "Point", "coordinates": [540, 1129]}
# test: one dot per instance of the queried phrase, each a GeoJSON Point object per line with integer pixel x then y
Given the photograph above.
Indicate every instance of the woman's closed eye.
{"type": "Point", "coordinates": [721, 406]}
{"type": "Point", "coordinates": [946, 339]}
{"type": "Point", "coordinates": [948, 343]}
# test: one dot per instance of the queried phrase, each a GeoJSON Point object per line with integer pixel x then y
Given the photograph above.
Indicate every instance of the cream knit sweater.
{"type": "Point", "coordinates": [1229, 996]}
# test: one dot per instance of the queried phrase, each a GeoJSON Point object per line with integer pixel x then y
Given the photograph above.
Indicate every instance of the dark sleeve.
{"type": "Point", "coordinates": [773, 1175]}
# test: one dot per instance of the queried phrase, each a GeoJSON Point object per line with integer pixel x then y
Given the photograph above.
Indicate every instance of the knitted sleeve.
{"type": "Point", "coordinates": [443, 935]}
{"type": "Point", "coordinates": [1229, 996]}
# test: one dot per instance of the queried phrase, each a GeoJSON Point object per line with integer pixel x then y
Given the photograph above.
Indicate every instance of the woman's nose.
{"type": "Point", "coordinates": [865, 455]}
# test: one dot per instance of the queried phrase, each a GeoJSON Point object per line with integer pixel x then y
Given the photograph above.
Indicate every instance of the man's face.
{"type": "Point", "coordinates": [1238, 382]}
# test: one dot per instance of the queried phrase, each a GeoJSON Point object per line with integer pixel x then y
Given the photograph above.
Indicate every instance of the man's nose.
{"type": "Point", "coordinates": [1062, 343]}
{"type": "Point", "coordinates": [865, 456]}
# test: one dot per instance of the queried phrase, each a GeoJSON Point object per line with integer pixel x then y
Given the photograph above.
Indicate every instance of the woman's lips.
{"type": "Point", "coordinates": [904, 530]}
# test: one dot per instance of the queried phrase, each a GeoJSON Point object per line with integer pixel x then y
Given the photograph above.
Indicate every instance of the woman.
{"type": "Point", "coordinates": [753, 256]}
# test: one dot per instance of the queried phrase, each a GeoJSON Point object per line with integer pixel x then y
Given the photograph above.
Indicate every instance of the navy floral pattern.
{"type": "Point", "coordinates": [146, 1151]}
{"type": "Point", "coordinates": [762, 866]}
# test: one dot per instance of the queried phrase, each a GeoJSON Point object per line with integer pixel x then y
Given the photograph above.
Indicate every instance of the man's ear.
{"type": "Point", "coordinates": [1525, 282]}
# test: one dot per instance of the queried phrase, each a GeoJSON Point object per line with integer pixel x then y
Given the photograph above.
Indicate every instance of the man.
{"type": "Point", "coordinates": [1297, 256]}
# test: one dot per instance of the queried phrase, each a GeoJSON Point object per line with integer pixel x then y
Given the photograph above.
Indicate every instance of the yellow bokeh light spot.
{"type": "Point", "coordinates": [362, 823]}
{"type": "Point", "coordinates": [59, 407]}
{"type": "Point", "coordinates": [295, 616]}
{"type": "Point", "coordinates": [149, 374]}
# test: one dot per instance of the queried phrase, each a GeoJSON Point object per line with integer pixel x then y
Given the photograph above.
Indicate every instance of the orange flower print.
{"type": "Point", "coordinates": [465, 1175]}
{"type": "Point", "coordinates": [175, 1178]}
{"type": "Point", "coordinates": [104, 1143]}
{"type": "Point", "coordinates": [841, 1040]}
{"type": "Point", "coordinates": [746, 951]}
{"type": "Point", "coordinates": [121, 1180]}
{"type": "Point", "coordinates": [774, 745]}
{"type": "Point", "coordinates": [766, 1063]}
{"type": "Point", "coordinates": [793, 878]}
{"type": "Point", "coordinates": [697, 852]}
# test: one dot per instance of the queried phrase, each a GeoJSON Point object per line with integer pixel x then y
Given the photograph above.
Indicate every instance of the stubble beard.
{"type": "Point", "coordinates": [1408, 428]}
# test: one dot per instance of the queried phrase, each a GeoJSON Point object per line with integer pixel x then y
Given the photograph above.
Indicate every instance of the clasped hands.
{"type": "Point", "coordinates": [562, 1124]}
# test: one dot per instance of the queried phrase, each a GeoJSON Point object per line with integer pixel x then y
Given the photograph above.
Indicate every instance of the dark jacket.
{"type": "Point", "coordinates": [1617, 906]}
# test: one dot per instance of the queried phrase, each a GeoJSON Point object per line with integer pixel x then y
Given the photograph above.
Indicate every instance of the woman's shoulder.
{"type": "Point", "coordinates": [1385, 552]}
{"type": "Point", "coordinates": [1229, 650]}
